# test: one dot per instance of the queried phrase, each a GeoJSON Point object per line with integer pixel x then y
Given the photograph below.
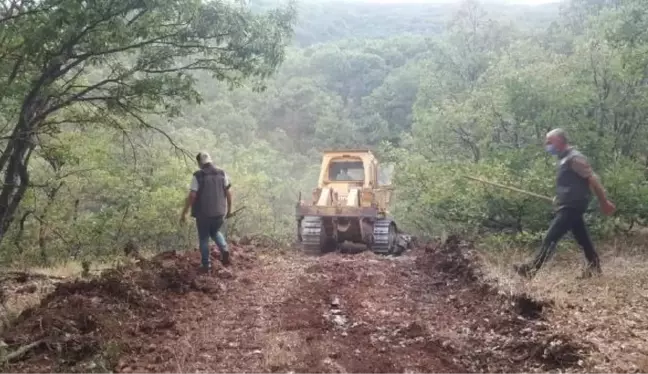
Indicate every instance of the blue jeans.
{"type": "Point", "coordinates": [208, 228]}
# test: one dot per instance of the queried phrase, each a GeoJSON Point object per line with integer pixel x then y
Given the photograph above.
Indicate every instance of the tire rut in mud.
{"type": "Point", "coordinates": [352, 314]}
{"type": "Point", "coordinates": [428, 311]}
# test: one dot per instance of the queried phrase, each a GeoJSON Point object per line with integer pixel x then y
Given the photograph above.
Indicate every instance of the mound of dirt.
{"type": "Point", "coordinates": [509, 330]}
{"type": "Point", "coordinates": [455, 260]}
{"type": "Point", "coordinates": [86, 325]}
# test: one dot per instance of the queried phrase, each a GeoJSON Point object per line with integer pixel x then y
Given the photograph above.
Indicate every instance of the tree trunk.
{"type": "Point", "coordinates": [44, 229]}
{"type": "Point", "coordinates": [16, 181]}
{"type": "Point", "coordinates": [14, 160]}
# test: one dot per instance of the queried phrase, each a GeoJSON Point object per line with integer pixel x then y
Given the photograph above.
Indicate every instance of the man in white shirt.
{"type": "Point", "coordinates": [210, 200]}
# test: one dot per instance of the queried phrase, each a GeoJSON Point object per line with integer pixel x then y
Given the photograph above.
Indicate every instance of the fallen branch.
{"type": "Point", "coordinates": [18, 353]}
{"type": "Point", "coordinates": [23, 276]}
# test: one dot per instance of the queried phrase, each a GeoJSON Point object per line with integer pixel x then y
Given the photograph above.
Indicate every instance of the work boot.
{"type": "Point", "coordinates": [225, 258]}
{"type": "Point", "coordinates": [204, 269]}
{"type": "Point", "coordinates": [524, 270]}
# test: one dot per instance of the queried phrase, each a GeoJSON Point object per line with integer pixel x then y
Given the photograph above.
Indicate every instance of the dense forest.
{"type": "Point", "coordinates": [106, 103]}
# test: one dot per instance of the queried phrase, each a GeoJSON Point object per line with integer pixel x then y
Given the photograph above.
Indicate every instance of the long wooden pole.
{"type": "Point", "coordinates": [511, 188]}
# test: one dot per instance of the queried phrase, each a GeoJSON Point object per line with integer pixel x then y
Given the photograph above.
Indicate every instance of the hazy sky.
{"type": "Point", "coordinates": [456, 1]}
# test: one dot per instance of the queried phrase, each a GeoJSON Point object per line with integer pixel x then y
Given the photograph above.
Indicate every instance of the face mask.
{"type": "Point", "coordinates": [551, 149]}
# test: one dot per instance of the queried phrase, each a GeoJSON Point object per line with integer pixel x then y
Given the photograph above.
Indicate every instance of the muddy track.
{"type": "Point", "coordinates": [426, 311]}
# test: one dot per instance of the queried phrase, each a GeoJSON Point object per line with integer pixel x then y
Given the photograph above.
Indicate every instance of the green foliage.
{"type": "Point", "coordinates": [441, 91]}
{"type": "Point", "coordinates": [139, 198]}
{"type": "Point", "coordinates": [489, 99]}
{"type": "Point", "coordinates": [116, 63]}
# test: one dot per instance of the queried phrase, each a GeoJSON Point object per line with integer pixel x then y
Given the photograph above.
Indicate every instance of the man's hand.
{"type": "Point", "coordinates": [607, 207]}
{"type": "Point", "coordinates": [183, 218]}
{"type": "Point", "coordinates": [228, 215]}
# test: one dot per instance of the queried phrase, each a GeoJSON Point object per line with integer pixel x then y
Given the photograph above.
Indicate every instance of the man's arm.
{"type": "Point", "coordinates": [191, 198]}
{"type": "Point", "coordinates": [598, 189]}
{"type": "Point", "coordinates": [583, 168]}
{"type": "Point", "coordinates": [228, 194]}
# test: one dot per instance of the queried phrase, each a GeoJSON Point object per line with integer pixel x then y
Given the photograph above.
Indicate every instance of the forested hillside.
{"type": "Point", "coordinates": [334, 20]}
{"type": "Point", "coordinates": [439, 90]}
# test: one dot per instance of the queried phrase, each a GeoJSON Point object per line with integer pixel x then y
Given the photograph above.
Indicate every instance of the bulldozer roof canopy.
{"type": "Point", "coordinates": [347, 151]}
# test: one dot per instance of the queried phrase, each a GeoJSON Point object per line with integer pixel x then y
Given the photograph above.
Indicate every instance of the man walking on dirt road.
{"type": "Point", "coordinates": [575, 181]}
{"type": "Point", "coordinates": [210, 200]}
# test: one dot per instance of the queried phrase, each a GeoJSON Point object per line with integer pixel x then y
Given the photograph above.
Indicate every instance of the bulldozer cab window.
{"type": "Point", "coordinates": [346, 171]}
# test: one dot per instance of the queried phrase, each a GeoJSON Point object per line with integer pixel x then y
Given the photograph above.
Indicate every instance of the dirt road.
{"type": "Point", "coordinates": [427, 311]}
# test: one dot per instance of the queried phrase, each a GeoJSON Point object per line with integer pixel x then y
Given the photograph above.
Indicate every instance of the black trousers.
{"type": "Point", "coordinates": [566, 219]}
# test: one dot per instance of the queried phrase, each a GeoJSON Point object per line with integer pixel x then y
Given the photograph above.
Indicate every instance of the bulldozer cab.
{"type": "Point", "coordinates": [352, 168]}
{"type": "Point", "coordinates": [344, 171]}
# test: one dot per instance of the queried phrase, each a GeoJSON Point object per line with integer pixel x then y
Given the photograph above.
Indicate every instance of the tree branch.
{"type": "Point", "coordinates": [146, 125]}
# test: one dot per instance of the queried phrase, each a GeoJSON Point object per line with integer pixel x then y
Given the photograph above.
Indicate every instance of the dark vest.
{"type": "Point", "coordinates": [572, 191]}
{"type": "Point", "coordinates": [211, 198]}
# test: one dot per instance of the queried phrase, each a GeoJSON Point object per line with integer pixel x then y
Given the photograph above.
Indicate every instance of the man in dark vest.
{"type": "Point", "coordinates": [210, 200]}
{"type": "Point", "coordinates": [575, 181]}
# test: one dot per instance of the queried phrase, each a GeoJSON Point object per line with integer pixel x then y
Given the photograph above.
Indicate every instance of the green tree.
{"type": "Point", "coordinates": [112, 63]}
{"type": "Point", "coordinates": [489, 98]}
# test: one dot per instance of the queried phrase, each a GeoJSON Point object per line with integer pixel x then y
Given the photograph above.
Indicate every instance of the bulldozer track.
{"type": "Point", "coordinates": [384, 242]}
{"type": "Point", "coordinates": [311, 234]}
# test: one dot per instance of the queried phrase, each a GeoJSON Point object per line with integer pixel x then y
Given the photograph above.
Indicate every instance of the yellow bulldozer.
{"type": "Point", "coordinates": [349, 204]}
